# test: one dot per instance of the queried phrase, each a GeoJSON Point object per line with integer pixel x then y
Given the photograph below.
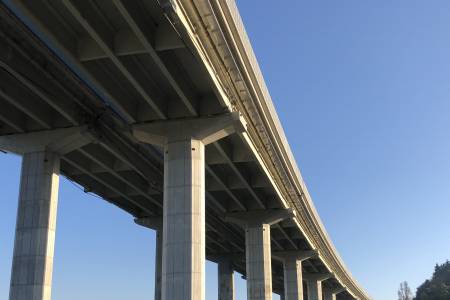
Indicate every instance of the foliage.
{"type": "Point", "coordinates": [404, 292]}
{"type": "Point", "coordinates": [438, 287]}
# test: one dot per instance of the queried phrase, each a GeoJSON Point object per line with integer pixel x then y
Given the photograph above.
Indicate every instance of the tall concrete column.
{"type": "Point", "coordinates": [258, 262]}
{"type": "Point", "coordinates": [292, 266]}
{"type": "Point", "coordinates": [257, 248]}
{"type": "Point", "coordinates": [156, 224]}
{"type": "Point", "coordinates": [314, 285]}
{"type": "Point", "coordinates": [184, 140]}
{"type": "Point", "coordinates": [293, 287]}
{"type": "Point", "coordinates": [183, 273]}
{"type": "Point", "coordinates": [225, 280]}
{"type": "Point", "coordinates": [328, 295]}
{"type": "Point", "coordinates": [158, 264]}
{"type": "Point", "coordinates": [31, 276]}
{"type": "Point", "coordinates": [314, 289]}
{"type": "Point", "coordinates": [331, 294]}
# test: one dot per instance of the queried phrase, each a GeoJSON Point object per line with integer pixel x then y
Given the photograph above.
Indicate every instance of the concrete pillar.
{"type": "Point", "coordinates": [183, 266]}
{"type": "Point", "coordinates": [258, 262]}
{"type": "Point", "coordinates": [314, 285]}
{"type": "Point", "coordinates": [158, 264]}
{"type": "Point", "coordinates": [293, 277]}
{"type": "Point", "coordinates": [328, 295]}
{"type": "Point", "coordinates": [225, 280]}
{"type": "Point", "coordinates": [257, 248]}
{"type": "Point", "coordinates": [293, 283]}
{"type": "Point", "coordinates": [31, 276]}
{"type": "Point", "coordinates": [331, 294]}
{"type": "Point", "coordinates": [314, 289]}
{"type": "Point", "coordinates": [184, 140]}
{"type": "Point", "coordinates": [155, 223]}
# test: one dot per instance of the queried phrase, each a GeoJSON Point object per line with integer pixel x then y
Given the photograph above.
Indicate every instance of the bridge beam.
{"type": "Point", "coordinates": [183, 264]}
{"type": "Point", "coordinates": [257, 248]}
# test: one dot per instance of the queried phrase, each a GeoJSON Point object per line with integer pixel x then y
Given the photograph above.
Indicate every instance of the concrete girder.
{"type": "Point", "coordinates": [225, 188]}
{"type": "Point", "coordinates": [188, 99]}
{"type": "Point", "coordinates": [60, 141]}
{"type": "Point", "coordinates": [131, 156]}
{"type": "Point", "coordinates": [113, 187]}
{"type": "Point", "coordinates": [283, 232]}
{"type": "Point", "coordinates": [294, 254]}
{"type": "Point", "coordinates": [338, 290]}
{"type": "Point", "coordinates": [25, 102]}
{"type": "Point", "coordinates": [230, 163]}
{"type": "Point", "coordinates": [216, 203]}
{"type": "Point", "coordinates": [252, 218]}
{"type": "Point", "coordinates": [102, 38]}
{"type": "Point", "coordinates": [31, 78]}
{"type": "Point", "coordinates": [318, 277]}
{"type": "Point", "coordinates": [206, 129]}
{"type": "Point", "coordinates": [121, 101]}
{"type": "Point", "coordinates": [138, 184]}
{"type": "Point", "coordinates": [13, 117]}
{"type": "Point", "coordinates": [166, 37]}
{"type": "Point", "coordinates": [154, 223]}
{"type": "Point", "coordinates": [227, 233]}
{"type": "Point", "coordinates": [127, 43]}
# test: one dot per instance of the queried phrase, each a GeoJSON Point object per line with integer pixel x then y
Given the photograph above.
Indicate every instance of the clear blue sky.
{"type": "Point", "coordinates": [363, 91]}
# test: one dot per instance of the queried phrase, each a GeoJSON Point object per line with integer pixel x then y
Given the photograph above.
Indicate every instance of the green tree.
{"type": "Point", "coordinates": [438, 287]}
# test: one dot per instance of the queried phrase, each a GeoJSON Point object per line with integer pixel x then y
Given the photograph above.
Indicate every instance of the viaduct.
{"type": "Point", "coordinates": [160, 108]}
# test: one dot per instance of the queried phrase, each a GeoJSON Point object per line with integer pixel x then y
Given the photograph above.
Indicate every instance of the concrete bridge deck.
{"type": "Point", "coordinates": [148, 102]}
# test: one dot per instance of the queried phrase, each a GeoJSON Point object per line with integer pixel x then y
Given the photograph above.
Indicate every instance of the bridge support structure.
{"type": "Point", "coordinates": [257, 248]}
{"type": "Point", "coordinates": [331, 294]}
{"type": "Point", "coordinates": [31, 276]}
{"type": "Point", "coordinates": [293, 278]}
{"type": "Point", "coordinates": [225, 279]}
{"type": "Point", "coordinates": [156, 224]}
{"type": "Point", "coordinates": [183, 251]}
{"type": "Point", "coordinates": [32, 267]}
{"type": "Point", "coordinates": [314, 285]}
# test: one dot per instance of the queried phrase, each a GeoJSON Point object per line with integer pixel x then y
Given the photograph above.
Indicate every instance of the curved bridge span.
{"type": "Point", "coordinates": [160, 108]}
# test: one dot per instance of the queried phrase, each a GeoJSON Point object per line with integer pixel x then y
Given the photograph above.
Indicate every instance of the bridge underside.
{"type": "Point", "coordinates": [108, 65]}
